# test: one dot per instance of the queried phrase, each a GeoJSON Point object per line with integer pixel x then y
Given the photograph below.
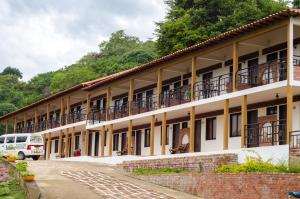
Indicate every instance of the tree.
{"type": "Point", "coordinates": [6, 108]}
{"type": "Point", "coordinates": [12, 71]}
{"type": "Point", "coordinates": [191, 21]}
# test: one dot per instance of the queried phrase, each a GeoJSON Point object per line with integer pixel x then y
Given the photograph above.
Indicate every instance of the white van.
{"type": "Point", "coordinates": [22, 145]}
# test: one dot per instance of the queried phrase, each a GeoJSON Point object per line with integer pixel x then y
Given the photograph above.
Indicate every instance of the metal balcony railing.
{"type": "Point", "coordinates": [116, 112]}
{"type": "Point", "coordinates": [213, 87]}
{"type": "Point", "coordinates": [175, 96]}
{"type": "Point", "coordinates": [295, 140]}
{"type": "Point", "coordinates": [265, 134]}
{"type": "Point", "coordinates": [74, 117]}
{"type": "Point", "coordinates": [144, 105]}
{"type": "Point", "coordinates": [97, 116]}
{"type": "Point", "coordinates": [261, 74]}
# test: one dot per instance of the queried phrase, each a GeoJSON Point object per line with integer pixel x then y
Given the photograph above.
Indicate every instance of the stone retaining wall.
{"type": "Point", "coordinates": [203, 163]}
{"type": "Point", "coordinates": [228, 186]}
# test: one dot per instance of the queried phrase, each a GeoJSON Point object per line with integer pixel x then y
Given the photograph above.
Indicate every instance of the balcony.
{"type": "Point", "coordinates": [144, 105]}
{"type": "Point", "coordinates": [97, 116]}
{"type": "Point", "coordinates": [261, 74]}
{"type": "Point", "coordinates": [74, 117]}
{"type": "Point", "coordinates": [53, 123]}
{"type": "Point", "coordinates": [116, 112]}
{"type": "Point", "coordinates": [265, 134]}
{"type": "Point", "coordinates": [176, 96]}
{"type": "Point", "coordinates": [213, 87]}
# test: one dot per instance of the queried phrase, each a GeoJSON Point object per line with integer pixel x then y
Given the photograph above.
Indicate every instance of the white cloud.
{"type": "Point", "coordinates": [40, 36]}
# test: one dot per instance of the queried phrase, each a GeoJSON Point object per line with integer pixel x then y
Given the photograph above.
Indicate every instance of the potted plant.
{"type": "Point", "coordinates": [11, 158]}
{"type": "Point", "coordinates": [28, 176]}
{"type": "Point", "coordinates": [21, 166]}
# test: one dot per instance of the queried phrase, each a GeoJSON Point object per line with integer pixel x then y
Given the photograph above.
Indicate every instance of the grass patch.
{"type": "Point", "coordinates": [142, 171]}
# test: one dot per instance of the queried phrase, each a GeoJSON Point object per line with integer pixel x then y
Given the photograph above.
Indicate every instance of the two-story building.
{"type": "Point", "coordinates": [240, 89]}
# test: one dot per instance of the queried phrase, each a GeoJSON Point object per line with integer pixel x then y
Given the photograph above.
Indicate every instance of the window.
{"type": "Point", "coordinates": [184, 125]}
{"type": "Point", "coordinates": [116, 142]}
{"type": "Point", "coordinates": [55, 146]}
{"type": "Point", "coordinates": [147, 138]}
{"type": "Point", "coordinates": [235, 125]}
{"type": "Point", "coordinates": [177, 84]}
{"type": "Point", "coordinates": [272, 110]}
{"type": "Point", "coordinates": [1, 140]}
{"type": "Point", "coordinates": [77, 142]}
{"type": "Point", "coordinates": [271, 57]}
{"type": "Point", "coordinates": [21, 139]}
{"type": "Point", "coordinates": [36, 139]}
{"type": "Point", "coordinates": [167, 137]}
{"type": "Point", "coordinates": [211, 125]}
{"type": "Point", "coordinates": [185, 82]}
{"type": "Point", "coordinates": [10, 139]}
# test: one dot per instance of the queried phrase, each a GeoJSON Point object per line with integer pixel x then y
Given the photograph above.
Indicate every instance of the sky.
{"type": "Point", "coordinates": [44, 35]}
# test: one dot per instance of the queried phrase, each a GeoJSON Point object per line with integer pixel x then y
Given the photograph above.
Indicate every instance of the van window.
{"type": "Point", "coordinates": [10, 139]}
{"type": "Point", "coordinates": [36, 139]}
{"type": "Point", "coordinates": [1, 140]}
{"type": "Point", "coordinates": [21, 139]}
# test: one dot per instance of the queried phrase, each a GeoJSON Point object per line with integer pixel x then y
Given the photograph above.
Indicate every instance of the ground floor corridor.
{"type": "Point", "coordinates": [77, 180]}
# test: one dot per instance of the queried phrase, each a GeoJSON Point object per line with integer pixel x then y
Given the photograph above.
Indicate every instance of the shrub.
{"type": "Point", "coordinates": [27, 173]}
{"type": "Point", "coordinates": [252, 165]}
{"type": "Point", "coordinates": [294, 167]}
{"type": "Point", "coordinates": [21, 166]}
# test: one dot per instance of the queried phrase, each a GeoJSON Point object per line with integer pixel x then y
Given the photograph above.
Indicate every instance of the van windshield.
{"type": "Point", "coordinates": [36, 139]}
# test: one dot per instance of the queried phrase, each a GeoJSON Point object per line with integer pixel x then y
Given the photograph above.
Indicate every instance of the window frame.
{"type": "Point", "coordinates": [147, 137]}
{"type": "Point", "coordinates": [20, 136]}
{"type": "Point", "coordinates": [211, 128]}
{"type": "Point", "coordinates": [14, 138]}
{"type": "Point", "coordinates": [238, 124]}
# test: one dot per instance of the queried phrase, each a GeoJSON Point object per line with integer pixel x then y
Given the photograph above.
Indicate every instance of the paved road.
{"type": "Point", "coordinates": [75, 180]}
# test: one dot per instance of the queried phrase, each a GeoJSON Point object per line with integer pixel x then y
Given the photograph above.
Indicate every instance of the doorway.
{"type": "Point", "coordinates": [253, 72]}
{"type": "Point", "coordinates": [96, 143]}
{"type": "Point", "coordinates": [252, 129]}
{"type": "Point", "coordinates": [175, 136]}
{"type": "Point", "coordinates": [282, 124]}
{"type": "Point", "coordinates": [123, 141]}
{"type": "Point", "coordinates": [90, 144]}
{"type": "Point", "coordinates": [206, 84]}
{"type": "Point", "coordinates": [70, 147]}
{"type": "Point", "coordinates": [138, 142]}
{"type": "Point", "coordinates": [197, 136]}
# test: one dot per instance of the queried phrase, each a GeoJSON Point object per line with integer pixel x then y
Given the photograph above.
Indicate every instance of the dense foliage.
{"type": "Point", "coordinates": [256, 164]}
{"type": "Point", "coordinates": [191, 21]}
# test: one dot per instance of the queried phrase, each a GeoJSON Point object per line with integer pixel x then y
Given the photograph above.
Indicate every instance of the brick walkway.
{"type": "Point", "coordinates": [109, 187]}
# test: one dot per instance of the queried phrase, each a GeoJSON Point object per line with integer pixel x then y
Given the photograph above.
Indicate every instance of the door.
{"type": "Point", "coordinates": [252, 129]}
{"type": "Point", "coordinates": [175, 136]}
{"type": "Point", "coordinates": [253, 72]}
{"type": "Point", "coordinates": [96, 144]}
{"type": "Point", "coordinates": [282, 124]}
{"type": "Point", "coordinates": [206, 84]}
{"type": "Point", "coordinates": [282, 65]}
{"type": "Point", "coordinates": [138, 142]}
{"type": "Point", "coordinates": [177, 91]}
{"type": "Point", "coordinates": [70, 149]}
{"type": "Point", "coordinates": [197, 136]}
{"type": "Point", "coordinates": [149, 99]}
{"type": "Point", "coordinates": [90, 144]}
{"type": "Point", "coordinates": [123, 141]}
